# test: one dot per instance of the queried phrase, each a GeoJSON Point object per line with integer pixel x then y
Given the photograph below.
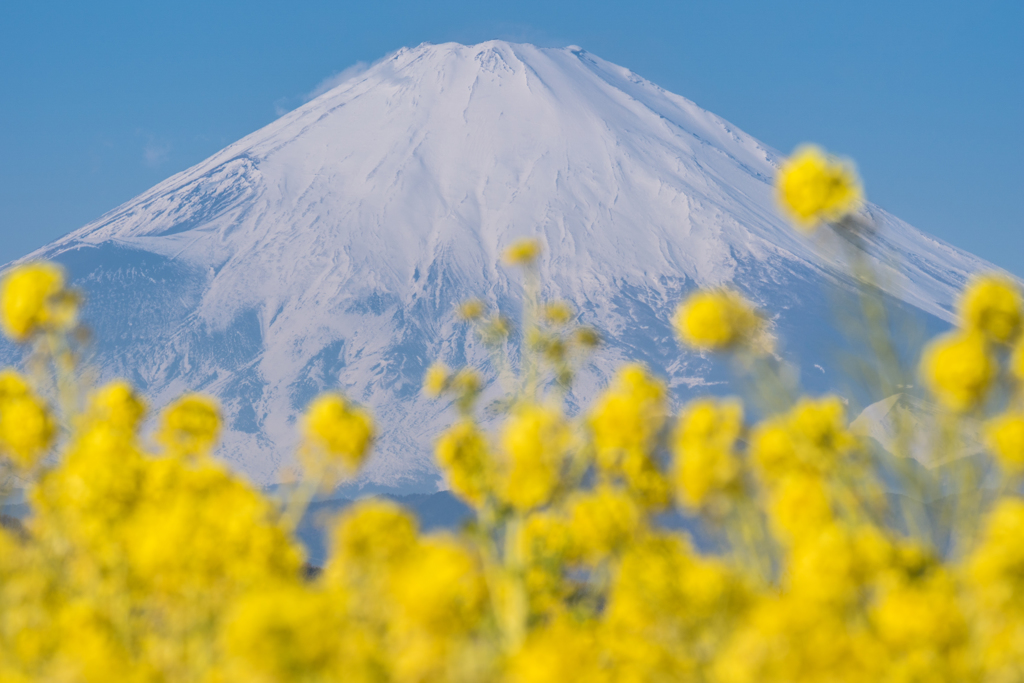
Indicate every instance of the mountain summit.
{"type": "Point", "coordinates": [328, 249]}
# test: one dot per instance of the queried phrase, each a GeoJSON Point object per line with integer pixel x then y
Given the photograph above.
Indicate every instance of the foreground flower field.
{"type": "Point", "coordinates": [147, 560]}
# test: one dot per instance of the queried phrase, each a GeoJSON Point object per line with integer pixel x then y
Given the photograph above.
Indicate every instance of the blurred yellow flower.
{"type": "Point", "coordinates": [717, 319]}
{"type": "Point", "coordinates": [560, 651]}
{"type": "Point", "coordinates": [772, 449]}
{"type": "Point", "coordinates": [814, 187]}
{"type": "Point", "coordinates": [558, 313]}
{"type": "Point", "coordinates": [465, 458]}
{"type": "Point", "coordinates": [27, 429]}
{"type": "Point", "coordinates": [1005, 437]}
{"type": "Point", "coordinates": [535, 439]}
{"type": "Point", "coordinates": [340, 429]}
{"type": "Point", "coordinates": [958, 368]}
{"type": "Point", "coordinates": [799, 506]}
{"type": "Point", "coordinates": [368, 540]}
{"type": "Point", "coordinates": [34, 299]}
{"type": "Point", "coordinates": [991, 304]}
{"type": "Point", "coordinates": [471, 309]}
{"type": "Point", "coordinates": [436, 379]}
{"type": "Point", "coordinates": [439, 588]}
{"type": "Point", "coordinates": [117, 403]}
{"type": "Point", "coordinates": [522, 252]}
{"type": "Point", "coordinates": [601, 522]}
{"type": "Point", "coordinates": [12, 385]}
{"type": "Point", "coordinates": [628, 416]}
{"type": "Point", "coordinates": [706, 463]}
{"type": "Point", "coordinates": [587, 337]}
{"type": "Point", "coordinates": [285, 633]}
{"type": "Point", "coordinates": [196, 525]}
{"type": "Point", "coordinates": [191, 425]}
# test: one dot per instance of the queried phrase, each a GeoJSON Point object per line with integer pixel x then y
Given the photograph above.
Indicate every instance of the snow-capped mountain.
{"type": "Point", "coordinates": [328, 249]}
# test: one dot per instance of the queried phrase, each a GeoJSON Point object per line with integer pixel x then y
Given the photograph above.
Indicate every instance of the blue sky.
{"type": "Point", "coordinates": [101, 100]}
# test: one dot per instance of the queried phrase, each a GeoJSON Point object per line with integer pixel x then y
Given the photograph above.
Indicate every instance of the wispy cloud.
{"type": "Point", "coordinates": [335, 80]}
{"type": "Point", "coordinates": [283, 105]}
{"type": "Point", "coordinates": [155, 152]}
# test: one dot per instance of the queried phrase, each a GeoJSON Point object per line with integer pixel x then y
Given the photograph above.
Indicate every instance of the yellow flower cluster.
{"type": "Point", "coordinates": [337, 428]}
{"type": "Point", "coordinates": [523, 252]}
{"type": "Point", "coordinates": [959, 367]}
{"type": "Point", "coordinates": [27, 429]}
{"type": "Point", "coordinates": [35, 299]}
{"type": "Point", "coordinates": [164, 566]}
{"type": "Point", "coordinates": [814, 187]}
{"type": "Point", "coordinates": [716, 320]}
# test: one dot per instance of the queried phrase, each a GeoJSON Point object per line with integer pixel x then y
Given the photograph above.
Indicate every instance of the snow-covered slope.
{"type": "Point", "coordinates": [328, 249]}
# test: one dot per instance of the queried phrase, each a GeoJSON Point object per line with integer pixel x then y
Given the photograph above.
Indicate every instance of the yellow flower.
{"type": "Point", "coordinates": [557, 313]}
{"type": "Point", "coordinates": [602, 521]}
{"type": "Point", "coordinates": [716, 319]}
{"type": "Point", "coordinates": [27, 429]}
{"type": "Point", "coordinates": [471, 309]}
{"type": "Point", "coordinates": [1005, 437]}
{"type": "Point", "coordinates": [920, 614]}
{"type": "Point", "coordinates": [92, 494]}
{"type": "Point", "coordinates": [991, 305]}
{"type": "Point", "coordinates": [12, 385]}
{"type": "Point", "coordinates": [535, 440]}
{"type": "Point", "coordinates": [542, 535]}
{"type": "Point", "coordinates": [467, 382]}
{"type": "Point", "coordinates": [340, 429]}
{"type": "Point", "coordinates": [814, 187]}
{"type": "Point", "coordinates": [827, 566]}
{"type": "Point", "coordinates": [522, 252]}
{"type": "Point", "coordinates": [628, 416]}
{"type": "Point", "coordinates": [119, 404]}
{"type": "Point", "coordinates": [436, 380]}
{"type": "Point", "coordinates": [35, 299]}
{"type": "Point", "coordinates": [587, 337]}
{"type": "Point", "coordinates": [439, 588]}
{"type": "Point", "coordinates": [819, 427]}
{"type": "Point", "coordinates": [958, 368]}
{"type": "Point", "coordinates": [772, 449]}
{"type": "Point", "coordinates": [200, 527]}
{"type": "Point", "coordinates": [543, 544]}
{"type": "Point", "coordinates": [706, 464]}
{"type": "Point", "coordinates": [996, 566]}
{"type": "Point", "coordinates": [286, 633]}
{"type": "Point", "coordinates": [369, 539]}
{"type": "Point", "coordinates": [667, 607]}
{"type": "Point", "coordinates": [191, 425]}
{"type": "Point", "coordinates": [560, 651]}
{"type": "Point", "coordinates": [464, 456]}
{"type": "Point", "coordinates": [799, 506]}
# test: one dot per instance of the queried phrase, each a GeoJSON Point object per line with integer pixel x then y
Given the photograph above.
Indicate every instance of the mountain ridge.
{"type": "Point", "coordinates": [328, 249]}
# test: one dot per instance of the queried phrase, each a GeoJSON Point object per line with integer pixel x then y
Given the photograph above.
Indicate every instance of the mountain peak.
{"type": "Point", "coordinates": [328, 249]}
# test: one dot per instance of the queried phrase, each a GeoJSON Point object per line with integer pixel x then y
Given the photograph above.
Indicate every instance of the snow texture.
{"type": "Point", "coordinates": [328, 249]}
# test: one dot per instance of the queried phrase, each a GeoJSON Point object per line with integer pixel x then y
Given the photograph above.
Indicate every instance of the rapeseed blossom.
{"type": "Point", "coordinates": [464, 455]}
{"type": "Point", "coordinates": [959, 369]}
{"type": "Point", "coordinates": [34, 298]}
{"type": "Point", "coordinates": [535, 441]}
{"type": "Point", "coordinates": [716, 320]}
{"type": "Point", "coordinates": [340, 430]}
{"type": "Point", "coordinates": [991, 305]}
{"type": "Point", "coordinates": [27, 429]}
{"type": "Point", "coordinates": [814, 187]}
{"type": "Point", "coordinates": [1005, 436]}
{"type": "Point", "coordinates": [191, 425]}
{"type": "Point", "coordinates": [436, 379]}
{"type": "Point", "coordinates": [522, 252]}
{"type": "Point", "coordinates": [166, 566]}
{"type": "Point", "coordinates": [707, 467]}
